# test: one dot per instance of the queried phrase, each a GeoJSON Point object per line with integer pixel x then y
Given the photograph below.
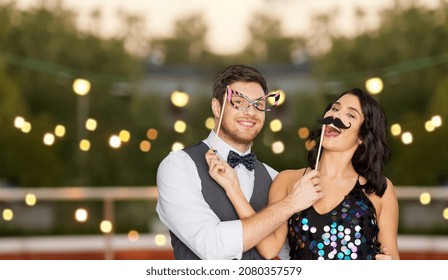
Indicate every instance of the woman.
{"type": "Point", "coordinates": [357, 217]}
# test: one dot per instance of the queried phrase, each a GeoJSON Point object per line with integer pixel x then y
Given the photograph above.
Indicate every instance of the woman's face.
{"type": "Point", "coordinates": [348, 109]}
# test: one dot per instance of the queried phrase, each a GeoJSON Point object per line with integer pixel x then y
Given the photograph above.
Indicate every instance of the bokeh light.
{"type": "Point", "coordinates": [133, 236]}
{"type": "Point", "coordinates": [374, 85]}
{"type": "Point", "coordinates": [26, 127]}
{"type": "Point", "coordinates": [395, 129]}
{"type": "Point", "coordinates": [310, 144]}
{"type": "Point", "coordinates": [303, 132]}
{"type": "Point", "coordinates": [407, 138]}
{"type": "Point", "coordinates": [18, 122]}
{"type": "Point", "coordinates": [437, 121]}
{"type": "Point", "coordinates": [81, 215]}
{"type": "Point", "coordinates": [425, 198]}
{"type": "Point", "coordinates": [106, 226]}
{"type": "Point", "coordinates": [84, 145]}
{"type": "Point", "coordinates": [81, 86]}
{"type": "Point", "coordinates": [152, 134]}
{"type": "Point", "coordinates": [115, 141]}
{"type": "Point", "coordinates": [278, 147]}
{"type": "Point", "coordinates": [30, 199]}
{"type": "Point", "coordinates": [59, 130]}
{"type": "Point", "coordinates": [180, 126]}
{"type": "Point", "coordinates": [145, 146]}
{"type": "Point", "coordinates": [160, 240]}
{"type": "Point", "coordinates": [49, 139]}
{"type": "Point", "coordinates": [8, 215]}
{"type": "Point", "coordinates": [91, 124]}
{"type": "Point", "coordinates": [177, 146]}
{"type": "Point", "coordinates": [429, 126]}
{"type": "Point", "coordinates": [275, 125]}
{"type": "Point", "coordinates": [281, 100]}
{"type": "Point", "coordinates": [179, 98]}
{"type": "Point", "coordinates": [125, 136]}
{"type": "Point", "coordinates": [210, 123]}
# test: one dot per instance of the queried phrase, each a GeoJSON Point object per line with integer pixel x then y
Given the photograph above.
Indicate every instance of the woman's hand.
{"type": "Point", "coordinates": [222, 172]}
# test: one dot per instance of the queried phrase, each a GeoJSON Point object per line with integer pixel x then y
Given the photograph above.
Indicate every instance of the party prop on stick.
{"type": "Point", "coordinates": [320, 146]}
{"type": "Point", "coordinates": [220, 120]}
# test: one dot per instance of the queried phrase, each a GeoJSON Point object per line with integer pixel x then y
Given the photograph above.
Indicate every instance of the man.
{"type": "Point", "coordinates": [202, 221]}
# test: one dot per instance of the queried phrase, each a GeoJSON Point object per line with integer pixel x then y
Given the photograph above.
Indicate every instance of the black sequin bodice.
{"type": "Point", "coordinates": [348, 232]}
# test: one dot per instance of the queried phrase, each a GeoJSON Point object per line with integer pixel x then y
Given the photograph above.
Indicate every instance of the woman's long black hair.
{"type": "Point", "coordinates": [373, 152]}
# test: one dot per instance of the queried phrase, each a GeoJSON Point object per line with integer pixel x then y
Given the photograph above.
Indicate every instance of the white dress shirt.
{"type": "Point", "coordinates": [183, 209]}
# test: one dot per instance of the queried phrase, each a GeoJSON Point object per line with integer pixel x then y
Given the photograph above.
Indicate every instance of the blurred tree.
{"type": "Point", "coordinates": [268, 44]}
{"type": "Point", "coordinates": [186, 46]}
{"type": "Point", "coordinates": [44, 52]}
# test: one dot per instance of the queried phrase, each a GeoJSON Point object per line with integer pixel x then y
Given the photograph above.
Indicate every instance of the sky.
{"type": "Point", "coordinates": [227, 20]}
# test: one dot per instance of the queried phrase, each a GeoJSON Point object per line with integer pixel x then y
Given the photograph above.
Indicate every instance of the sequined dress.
{"type": "Point", "coordinates": [348, 232]}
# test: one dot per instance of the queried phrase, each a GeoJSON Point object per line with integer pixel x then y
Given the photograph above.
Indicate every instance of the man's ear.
{"type": "Point", "coordinates": [216, 108]}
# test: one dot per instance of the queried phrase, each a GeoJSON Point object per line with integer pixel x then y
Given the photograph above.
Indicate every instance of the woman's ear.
{"type": "Point", "coordinates": [359, 141]}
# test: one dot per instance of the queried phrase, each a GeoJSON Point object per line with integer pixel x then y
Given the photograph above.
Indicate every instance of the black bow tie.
{"type": "Point", "coordinates": [248, 160]}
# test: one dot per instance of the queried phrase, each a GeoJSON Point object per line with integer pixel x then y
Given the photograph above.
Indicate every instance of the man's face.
{"type": "Point", "coordinates": [239, 128]}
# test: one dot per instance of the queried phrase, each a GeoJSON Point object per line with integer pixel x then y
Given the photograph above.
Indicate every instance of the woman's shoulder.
{"type": "Point", "coordinates": [283, 182]}
{"type": "Point", "coordinates": [291, 173]}
{"type": "Point", "coordinates": [288, 176]}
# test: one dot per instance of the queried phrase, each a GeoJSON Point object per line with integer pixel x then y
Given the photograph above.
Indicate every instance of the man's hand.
{"type": "Point", "coordinates": [384, 256]}
{"type": "Point", "coordinates": [305, 191]}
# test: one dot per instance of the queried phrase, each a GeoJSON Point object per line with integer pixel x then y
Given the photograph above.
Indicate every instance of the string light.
{"type": "Point", "coordinates": [152, 134]}
{"type": "Point", "coordinates": [210, 123]}
{"type": "Point", "coordinates": [81, 87]}
{"type": "Point", "coordinates": [275, 125]}
{"type": "Point", "coordinates": [395, 129]}
{"type": "Point", "coordinates": [124, 135]}
{"type": "Point", "coordinates": [179, 98]}
{"type": "Point", "coordinates": [133, 236]}
{"type": "Point", "coordinates": [374, 85]}
{"type": "Point", "coordinates": [278, 147]}
{"type": "Point", "coordinates": [18, 122]}
{"type": "Point", "coordinates": [425, 198]}
{"type": "Point", "coordinates": [30, 199]}
{"type": "Point", "coordinates": [91, 124]}
{"type": "Point", "coordinates": [106, 226]}
{"type": "Point", "coordinates": [59, 130]}
{"type": "Point", "coordinates": [160, 240]}
{"type": "Point", "coordinates": [407, 138]}
{"type": "Point", "coordinates": [115, 142]}
{"type": "Point", "coordinates": [8, 215]}
{"type": "Point", "coordinates": [145, 146]}
{"type": "Point", "coordinates": [303, 132]}
{"type": "Point", "coordinates": [84, 145]}
{"type": "Point", "coordinates": [180, 126]}
{"type": "Point", "coordinates": [49, 139]}
{"type": "Point", "coordinates": [81, 215]}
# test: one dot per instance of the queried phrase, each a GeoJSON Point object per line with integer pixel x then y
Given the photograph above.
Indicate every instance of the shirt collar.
{"type": "Point", "coordinates": [221, 146]}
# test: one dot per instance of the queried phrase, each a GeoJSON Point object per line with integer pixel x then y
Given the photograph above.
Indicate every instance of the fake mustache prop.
{"type": "Point", "coordinates": [326, 121]}
{"type": "Point", "coordinates": [335, 121]}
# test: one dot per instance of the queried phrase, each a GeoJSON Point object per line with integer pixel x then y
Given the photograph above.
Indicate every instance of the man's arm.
{"type": "Point", "coordinates": [257, 226]}
{"type": "Point", "coordinates": [182, 208]}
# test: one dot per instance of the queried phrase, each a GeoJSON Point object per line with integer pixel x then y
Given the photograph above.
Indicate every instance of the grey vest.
{"type": "Point", "coordinates": [216, 197]}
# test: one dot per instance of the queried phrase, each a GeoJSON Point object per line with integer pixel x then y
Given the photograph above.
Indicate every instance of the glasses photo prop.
{"type": "Point", "coordinates": [241, 102]}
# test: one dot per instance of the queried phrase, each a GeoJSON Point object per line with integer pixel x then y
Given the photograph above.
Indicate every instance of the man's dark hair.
{"type": "Point", "coordinates": [237, 73]}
